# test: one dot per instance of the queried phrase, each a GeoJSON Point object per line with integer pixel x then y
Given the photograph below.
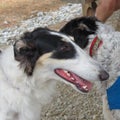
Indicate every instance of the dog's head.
{"type": "Point", "coordinates": [50, 55]}
{"type": "Point", "coordinates": [80, 29]}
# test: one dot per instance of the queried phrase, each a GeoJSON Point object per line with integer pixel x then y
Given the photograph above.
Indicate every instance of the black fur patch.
{"type": "Point", "coordinates": [80, 29]}
{"type": "Point", "coordinates": [64, 50]}
{"type": "Point", "coordinates": [38, 42]}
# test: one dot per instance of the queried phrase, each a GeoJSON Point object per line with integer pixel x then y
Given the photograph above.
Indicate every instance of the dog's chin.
{"type": "Point", "coordinates": [80, 83]}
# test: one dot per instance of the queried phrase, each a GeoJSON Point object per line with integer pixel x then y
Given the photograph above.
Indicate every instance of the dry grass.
{"type": "Point", "coordinates": [13, 11]}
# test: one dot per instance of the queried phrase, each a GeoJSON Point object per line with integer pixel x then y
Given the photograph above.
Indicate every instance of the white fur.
{"type": "Point", "coordinates": [109, 56]}
{"type": "Point", "coordinates": [22, 96]}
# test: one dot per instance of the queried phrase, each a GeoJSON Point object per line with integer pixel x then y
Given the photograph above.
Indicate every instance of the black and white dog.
{"type": "Point", "coordinates": [30, 69]}
{"type": "Point", "coordinates": [101, 42]}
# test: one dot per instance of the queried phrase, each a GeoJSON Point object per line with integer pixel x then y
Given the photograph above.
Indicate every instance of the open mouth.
{"type": "Point", "coordinates": [80, 83]}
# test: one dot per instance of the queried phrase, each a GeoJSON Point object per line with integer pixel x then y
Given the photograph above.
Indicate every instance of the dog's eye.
{"type": "Point", "coordinates": [65, 50]}
{"type": "Point", "coordinates": [65, 47]}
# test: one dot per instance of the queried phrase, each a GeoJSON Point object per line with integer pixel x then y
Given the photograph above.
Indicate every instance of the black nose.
{"type": "Point", "coordinates": [103, 75]}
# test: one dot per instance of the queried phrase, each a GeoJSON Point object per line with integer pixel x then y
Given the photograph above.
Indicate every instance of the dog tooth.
{"type": "Point", "coordinates": [65, 71]}
{"type": "Point", "coordinates": [72, 78]}
{"type": "Point", "coordinates": [85, 87]}
{"type": "Point", "coordinates": [68, 74]}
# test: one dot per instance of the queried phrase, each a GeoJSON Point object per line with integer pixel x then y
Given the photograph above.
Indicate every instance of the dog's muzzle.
{"type": "Point", "coordinates": [103, 75]}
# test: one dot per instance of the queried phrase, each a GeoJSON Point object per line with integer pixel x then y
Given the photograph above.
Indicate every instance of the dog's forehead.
{"type": "Point", "coordinates": [52, 38]}
{"type": "Point", "coordinates": [56, 36]}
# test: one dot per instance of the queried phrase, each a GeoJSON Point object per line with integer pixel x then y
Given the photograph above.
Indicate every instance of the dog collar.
{"type": "Point", "coordinates": [96, 43]}
{"type": "Point", "coordinates": [113, 95]}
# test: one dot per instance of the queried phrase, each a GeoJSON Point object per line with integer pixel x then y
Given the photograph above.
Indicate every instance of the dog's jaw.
{"type": "Point", "coordinates": [80, 83]}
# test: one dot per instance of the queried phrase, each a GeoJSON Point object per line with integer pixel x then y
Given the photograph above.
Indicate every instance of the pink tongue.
{"type": "Point", "coordinates": [78, 80]}
{"type": "Point", "coordinates": [82, 83]}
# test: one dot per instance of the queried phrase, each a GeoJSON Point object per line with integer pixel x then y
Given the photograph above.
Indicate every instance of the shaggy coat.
{"type": "Point", "coordinates": [84, 30]}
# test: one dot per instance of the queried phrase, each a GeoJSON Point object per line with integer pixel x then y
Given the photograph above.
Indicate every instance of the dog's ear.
{"type": "Point", "coordinates": [85, 27]}
{"type": "Point", "coordinates": [26, 54]}
{"type": "Point", "coordinates": [81, 35]}
{"type": "Point", "coordinates": [81, 38]}
{"type": "Point", "coordinates": [80, 29]}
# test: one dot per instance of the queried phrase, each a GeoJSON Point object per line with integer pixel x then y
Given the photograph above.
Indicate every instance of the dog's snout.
{"type": "Point", "coordinates": [103, 75]}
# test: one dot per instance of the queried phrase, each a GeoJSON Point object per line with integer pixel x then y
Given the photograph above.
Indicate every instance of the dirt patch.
{"type": "Point", "coordinates": [13, 11]}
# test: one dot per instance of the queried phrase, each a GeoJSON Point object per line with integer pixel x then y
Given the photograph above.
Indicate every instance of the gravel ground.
{"type": "Point", "coordinates": [42, 19]}
{"type": "Point", "coordinates": [67, 104]}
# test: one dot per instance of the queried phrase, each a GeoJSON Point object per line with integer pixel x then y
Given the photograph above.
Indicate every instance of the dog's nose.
{"type": "Point", "coordinates": [103, 75]}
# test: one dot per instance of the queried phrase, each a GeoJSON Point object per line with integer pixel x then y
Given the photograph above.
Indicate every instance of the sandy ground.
{"type": "Point", "coordinates": [13, 11]}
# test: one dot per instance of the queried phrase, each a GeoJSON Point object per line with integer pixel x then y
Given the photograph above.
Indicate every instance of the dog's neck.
{"type": "Point", "coordinates": [96, 40]}
{"type": "Point", "coordinates": [18, 80]}
{"type": "Point", "coordinates": [108, 52]}
{"type": "Point", "coordinates": [95, 44]}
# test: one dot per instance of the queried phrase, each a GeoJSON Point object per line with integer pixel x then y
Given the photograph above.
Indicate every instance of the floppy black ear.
{"type": "Point", "coordinates": [80, 29]}
{"type": "Point", "coordinates": [26, 55]}
{"type": "Point", "coordinates": [80, 34]}
{"type": "Point", "coordinates": [81, 37]}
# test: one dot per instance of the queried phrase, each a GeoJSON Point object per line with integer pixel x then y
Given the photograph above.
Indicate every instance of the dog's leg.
{"type": "Point", "coordinates": [106, 112]}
